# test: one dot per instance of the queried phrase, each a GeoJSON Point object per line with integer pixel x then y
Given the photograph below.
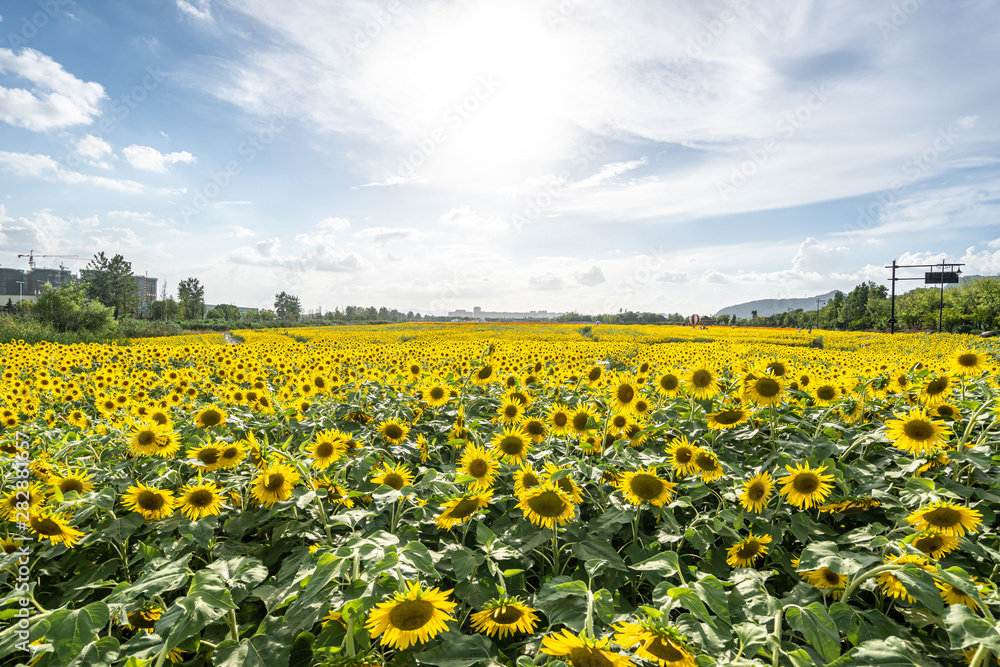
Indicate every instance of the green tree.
{"type": "Point", "coordinates": [111, 282]}
{"type": "Point", "coordinates": [191, 295]}
{"type": "Point", "coordinates": [68, 309]}
{"type": "Point", "coordinates": [287, 306]}
{"type": "Point", "coordinates": [225, 311]}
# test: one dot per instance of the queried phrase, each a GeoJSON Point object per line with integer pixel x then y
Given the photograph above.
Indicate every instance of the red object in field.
{"type": "Point", "coordinates": [695, 319]}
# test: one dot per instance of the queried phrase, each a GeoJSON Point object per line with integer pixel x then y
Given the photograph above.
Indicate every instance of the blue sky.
{"type": "Point", "coordinates": [575, 154]}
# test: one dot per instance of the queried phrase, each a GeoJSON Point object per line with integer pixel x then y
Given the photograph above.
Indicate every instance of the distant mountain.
{"type": "Point", "coordinates": [765, 307]}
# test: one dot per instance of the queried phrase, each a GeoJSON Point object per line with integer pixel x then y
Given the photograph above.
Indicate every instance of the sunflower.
{"type": "Point", "coordinates": [619, 421]}
{"type": "Point", "coordinates": [510, 411]}
{"type": "Point", "coordinates": [394, 431]}
{"type": "Point", "coordinates": [525, 478]}
{"type": "Point", "coordinates": [210, 416]}
{"type": "Point", "coordinates": [593, 376]}
{"type": "Point", "coordinates": [657, 643]}
{"type": "Point", "coordinates": [701, 384]}
{"type": "Point", "coordinates": [512, 444]}
{"type": "Point", "coordinates": [582, 651]}
{"type": "Point", "coordinates": [644, 486]}
{"type": "Point", "coordinates": [167, 443]}
{"type": "Point", "coordinates": [757, 492]}
{"type": "Point", "coordinates": [149, 501]}
{"type": "Point", "coordinates": [824, 393]}
{"type": "Point", "coordinates": [945, 411]}
{"type": "Point", "coordinates": [766, 389]}
{"type": "Point", "coordinates": [546, 505]}
{"type": "Point", "coordinates": [946, 518]}
{"type": "Point", "coordinates": [53, 527]}
{"type": "Point", "coordinates": [917, 433]}
{"type": "Point", "coordinates": [230, 454]}
{"type": "Point", "coordinates": [852, 505]}
{"type": "Point", "coordinates": [580, 418]}
{"type": "Point", "coordinates": [535, 428]}
{"type": "Point", "coordinates": [410, 618]}
{"type": "Point", "coordinates": [968, 362]}
{"type": "Point", "coordinates": [13, 503]}
{"type": "Point", "coordinates": [891, 585]}
{"type": "Point", "coordinates": [826, 579]}
{"type": "Point", "coordinates": [680, 456]}
{"type": "Point", "coordinates": [208, 455]}
{"type": "Point", "coordinates": [564, 483]}
{"type": "Point", "coordinates": [396, 477]}
{"type": "Point", "coordinates": [727, 418]}
{"type": "Point", "coordinates": [560, 419]}
{"type": "Point", "coordinates": [142, 438]}
{"type": "Point", "coordinates": [483, 375]}
{"type": "Point", "coordinates": [745, 552]}
{"type": "Point", "coordinates": [668, 385]}
{"type": "Point", "coordinates": [436, 394]}
{"type": "Point", "coordinates": [952, 595]}
{"type": "Point", "coordinates": [624, 392]}
{"type": "Point", "coordinates": [505, 616]}
{"type": "Point", "coordinates": [932, 543]}
{"type": "Point", "coordinates": [144, 619]}
{"type": "Point", "coordinates": [460, 509]}
{"type": "Point", "coordinates": [480, 464]}
{"type": "Point", "coordinates": [936, 390]}
{"type": "Point", "coordinates": [200, 500]}
{"type": "Point", "coordinates": [326, 448]}
{"type": "Point", "coordinates": [273, 483]}
{"type": "Point", "coordinates": [75, 479]}
{"type": "Point", "coordinates": [706, 464]}
{"type": "Point", "coordinates": [78, 419]}
{"type": "Point", "coordinates": [805, 487]}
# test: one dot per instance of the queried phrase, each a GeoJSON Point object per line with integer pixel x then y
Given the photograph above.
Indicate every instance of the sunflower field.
{"type": "Point", "coordinates": [461, 494]}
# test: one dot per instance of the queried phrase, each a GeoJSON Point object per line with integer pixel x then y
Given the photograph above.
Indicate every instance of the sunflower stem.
{"type": "Point", "coordinates": [874, 572]}
{"type": "Point", "coordinates": [555, 551]}
{"type": "Point", "coordinates": [349, 637]}
{"type": "Point", "coordinates": [234, 630]}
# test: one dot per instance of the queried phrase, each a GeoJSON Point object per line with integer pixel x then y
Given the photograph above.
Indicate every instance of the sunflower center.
{"type": "Point", "coordinates": [535, 427]}
{"type": "Point", "coordinates": [669, 382]}
{"type": "Point", "coordinates": [929, 544]}
{"type": "Point", "coordinates": [478, 468]}
{"type": "Point", "coordinates": [529, 480]}
{"type": "Point", "coordinates": [230, 453]}
{"type": "Point", "coordinates": [683, 455]}
{"type": "Point", "coordinates": [510, 411]}
{"type": "Point", "coordinates": [506, 615]}
{"type": "Point", "coordinates": [918, 429]}
{"type": "Point", "coordinates": [806, 483]}
{"type": "Point", "coordinates": [701, 378]}
{"type": "Point", "coordinates": [619, 421]}
{"type": "Point", "coordinates": [944, 517]}
{"type": "Point", "coordinates": [580, 421]}
{"type": "Point", "coordinates": [150, 501]}
{"type": "Point", "coordinates": [436, 393]}
{"type": "Point", "coordinates": [705, 462]}
{"type": "Point", "coordinates": [768, 388]}
{"type": "Point", "coordinates": [968, 360]}
{"type": "Point", "coordinates": [414, 370]}
{"type": "Point", "coordinates": [945, 411]}
{"type": "Point", "coordinates": [585, 657]}
{"type": "Point", "coordinates": [646, 486]}
{"type": "Point", "coordinates": [547, 504]}
{"type": "Point", "coordinates": [324, 450]}
{"type": "Point", "coordinates": [393, 431]}
{"type": "Point", "coordinates": [45, 526]}
{"type": "Point", "coordinates": [71, 484]}
{"type": "Point", "coordinates": [464, 509]}
{"type": "Point", "coordinates": [201, 498]}
{"type": "Point", "coordinates": [146, 438]}
{"type": "Point", "coordinates": [936, 386]}
{"type": "Point", "coordinates": [394, 480]}
{"type": "Point", "coordinates": [411, 615]}
{"type": "Point", "coordinates": [749, 550]}
{"type": "Point", "coordinates": [625, 394]}
{"type": "Point", "coordinates": [512, 445]}
{"type": "Point", "coordinates": [211, 418]}
{"type": "Point", "coordinates": [484, 372]}
{"type": "Point", "coordinates": [756, 491]}
{"type": "Point", "coordinates": [826, 393]}
{"type": "Point", "coordinates": [729, 416]}
{"type": "Point", "coordinates": [560, 419]}
{"type": "Point", "coordinates": [594, 374]}
{"type": "Point", "coordinates": [274, 482]}
{"type": "Point", "coordinates": [565, 484]}
{"type": "Point", "coordinates": [665, 650]}
{"type": "Point", "coordinates": [208, 456]}
{"type": "Point", "coordinates": [830, 577]}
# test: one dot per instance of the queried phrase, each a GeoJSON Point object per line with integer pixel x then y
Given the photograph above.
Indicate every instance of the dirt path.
{"type": "Point", "coordinates": [230, 339]}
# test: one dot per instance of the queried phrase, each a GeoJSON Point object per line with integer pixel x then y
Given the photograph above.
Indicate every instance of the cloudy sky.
{"type": "Point", "coordinates": [527, 154]}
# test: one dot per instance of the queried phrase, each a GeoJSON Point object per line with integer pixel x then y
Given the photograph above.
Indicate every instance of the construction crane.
{"type": "Point", "coordinates": [31, 258]}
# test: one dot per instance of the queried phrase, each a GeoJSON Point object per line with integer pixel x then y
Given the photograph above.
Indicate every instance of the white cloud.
{"type": "Point", "coordinates": [546, 281]}
{"type": "Point", "coordinates": [384, 235]}
{"type": "Point", "coordinates": [609, 172]}
{"type": "Point", "coordinates": [463, 217]}
{"type": "Point", "coordinates": [591, 277]}
{"type": "Point", "coordinates": [57, 99]}
{"type": "Point", "coordinates": [818, 258]}
{"type": "Point", "coordinates": [672, 277]}
{"type": "Point", "coordinates": [238, 232]}
{"type": "Point", "coordinates": [150, 159]}
{"type": "Point", "coordinates": [202, 12]}
{"type": "Point", "coordinates": [716, 277]}
{"type": "Point", "coordinates": [266, 253]}
{"type": "Point", "coordinates": [334, 224]}
{"type": "Point", "coordinates": [45, 168]}
{"type": "Point", "coordinates": [92, 147]}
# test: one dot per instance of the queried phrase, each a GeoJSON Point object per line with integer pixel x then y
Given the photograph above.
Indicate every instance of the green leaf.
{"type": "Point", "coordinates": [258, 651]}
{"type": "Point", "coordinates": [465, 562]}
{"type": "Point", "coordinates": [966, 629]}
{"type": "Point", "coordinates": [818, 628]}
{"type": "Point", "coordinates": [241, 574]}
{"type": "Point", "coordinates": [70, 630]}
{"type": "Point", "coordinates": [207, 600]}
{"type": "Point", "coordinates": [159, 576]}
{"type": "Point", "coordinates": [101, 653]}
{"type": "Point", "coordinates": [713, 593]}
{"type": "Point", "coordinates": [484, 535]}
{"type": "Point", "coordinates": [558, 588]}
{"type": "Point", "coordinates": [604, 606]}
{"type": "Point", "coordinates": [920, 585]}
{"type": "Point", "coordinates": [690, 601]}
{"type": "Point", "coordinates": [666, 562]}
{"type": "Point", "coordinates": [119, 530]}
{"type": "Point", "coordinates": [301, 653]}
{"type": "Point", "coordinates": [595, 566]}
{"type": "Point", "coordinates": [751, 637]}
{"type": "Point", "coordinates": [418, 556]}
{"type": "Point", "coordinates": [306, 609]}
{"type": "Point", "coordinates": [819, 554]}
{"type": "Point", "coordinates": [456, 650]}
{"type": "Point", "coordinates": [889, 652]}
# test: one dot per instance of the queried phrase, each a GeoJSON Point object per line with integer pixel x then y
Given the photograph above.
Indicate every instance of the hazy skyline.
{"type": "Point", "coordinates": [429, 156]}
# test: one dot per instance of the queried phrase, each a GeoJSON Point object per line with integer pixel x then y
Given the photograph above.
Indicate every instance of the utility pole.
{"type": "Point", "coordinates": [930, 278]}
{"type": "Point", "coordinates": [892, 314]}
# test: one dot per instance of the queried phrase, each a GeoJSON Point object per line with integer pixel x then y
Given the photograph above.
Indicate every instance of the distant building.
{"type": "Point", "coordinates": [480, 314]}
{"type": "Point", "coordinates": [146, 290]}
{"type": "Point", "coordinates": [15, 283]}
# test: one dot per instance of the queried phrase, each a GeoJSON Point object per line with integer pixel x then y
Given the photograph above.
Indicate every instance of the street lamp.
{"type": "Point", "coordinates": [20, 292]}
